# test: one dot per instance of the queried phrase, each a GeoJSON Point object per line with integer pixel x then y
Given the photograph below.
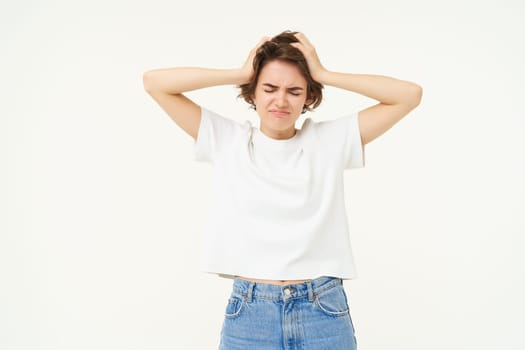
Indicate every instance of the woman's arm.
{"type": "Point", "coordinates": [166, 86]}
{"type": "Point", "coordinates": [182, 79]}
{"type": "Point", "coordinates": [397, 97]}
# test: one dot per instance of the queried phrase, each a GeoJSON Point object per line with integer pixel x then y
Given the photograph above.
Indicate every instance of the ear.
{"type": "Point", "coordinates": [309, 101]}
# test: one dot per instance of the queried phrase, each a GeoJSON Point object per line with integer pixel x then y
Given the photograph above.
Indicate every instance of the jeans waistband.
{"type": "Point", "coordinates": [249, 290]}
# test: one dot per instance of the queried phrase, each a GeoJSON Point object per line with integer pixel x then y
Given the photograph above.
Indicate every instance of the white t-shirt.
{"type": "Point", "coordinates": [278, 209]}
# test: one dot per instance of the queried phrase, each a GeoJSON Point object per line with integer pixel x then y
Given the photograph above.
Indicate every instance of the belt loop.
{"type": "Point", "coordinates": [250, 291]}
{"type": "Point", "coordinates": [310, 291]}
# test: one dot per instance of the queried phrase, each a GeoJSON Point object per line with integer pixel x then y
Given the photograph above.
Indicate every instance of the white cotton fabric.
{"type": "Point", "coordinates": [278, 209]}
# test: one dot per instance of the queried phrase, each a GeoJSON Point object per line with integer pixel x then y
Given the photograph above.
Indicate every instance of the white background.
{"type": "Point", "coordinates": [102, 205]}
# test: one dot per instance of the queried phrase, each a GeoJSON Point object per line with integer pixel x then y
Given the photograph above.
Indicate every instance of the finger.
{"type": "Point", "coordinates": [303, 39]}
{"type": "Point", "coordinates": [299, 46]}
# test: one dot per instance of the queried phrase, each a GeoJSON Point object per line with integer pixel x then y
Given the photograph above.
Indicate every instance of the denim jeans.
{"type": "Point", "coordinates": [313, 315]}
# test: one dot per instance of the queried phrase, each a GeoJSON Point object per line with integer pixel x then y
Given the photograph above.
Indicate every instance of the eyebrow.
{"type": "Point", "coordinates": [293, 88]}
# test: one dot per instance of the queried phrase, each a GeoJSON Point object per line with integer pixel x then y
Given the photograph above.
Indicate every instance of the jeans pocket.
{"type": "Point", "coordinates": [234, 306]}
{"type": "Point", "coordinates": [333, 302]}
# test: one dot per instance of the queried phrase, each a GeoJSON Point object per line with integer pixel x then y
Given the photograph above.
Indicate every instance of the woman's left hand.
{"type": "Point", "coordinates": [308, 50]}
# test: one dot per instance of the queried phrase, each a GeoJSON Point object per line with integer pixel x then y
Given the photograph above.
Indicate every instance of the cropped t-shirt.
{"type": "Point", "coordinates": [277, 207]}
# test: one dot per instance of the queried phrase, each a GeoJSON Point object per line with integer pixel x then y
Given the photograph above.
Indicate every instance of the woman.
{"type": "Point", "coordinates": [278, 224]}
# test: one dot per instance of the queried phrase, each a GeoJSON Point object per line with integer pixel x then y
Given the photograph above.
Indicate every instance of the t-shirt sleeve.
{"type": "Point", "coordinates": [342, 139]}
{"type": "Point", "coordinates": [354, 151]}
{"type": "Point", "coordinates": [215, 132]}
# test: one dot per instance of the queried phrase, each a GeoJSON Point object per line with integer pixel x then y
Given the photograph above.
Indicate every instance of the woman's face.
{"type": "Point", "coordinates": [279, 98]}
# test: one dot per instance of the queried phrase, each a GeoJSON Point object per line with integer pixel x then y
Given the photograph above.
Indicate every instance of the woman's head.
{"type": "Point", "coordinates": [279, 49]}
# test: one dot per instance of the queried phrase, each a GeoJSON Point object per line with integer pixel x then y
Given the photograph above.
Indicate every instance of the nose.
{"type": "Point", "coordinates": [280, 99]}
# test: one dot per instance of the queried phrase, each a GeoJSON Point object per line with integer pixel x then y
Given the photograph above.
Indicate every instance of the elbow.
{"type": "Point", "coordinates": [147, 81]}
{"type": "Point", "coordinates": [415, 95]}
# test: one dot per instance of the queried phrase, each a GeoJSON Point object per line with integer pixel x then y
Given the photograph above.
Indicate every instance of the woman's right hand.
{"type": "Point", "coordinates": [247, 68]}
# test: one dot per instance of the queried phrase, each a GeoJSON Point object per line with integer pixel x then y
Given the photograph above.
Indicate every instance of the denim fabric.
{"type": "Point", "coordinates": [313, 315]}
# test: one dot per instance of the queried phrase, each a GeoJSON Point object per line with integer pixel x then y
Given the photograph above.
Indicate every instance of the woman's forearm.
{"type": "Point", "coordinates": [382, 88]}
{"type": "Point", "coordinates": [181, 79]}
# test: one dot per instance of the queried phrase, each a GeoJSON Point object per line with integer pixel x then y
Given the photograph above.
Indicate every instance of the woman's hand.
{"type": "Point", "coordinates": [308, 50]}
{"type": "Point", "coordinates": [247, 68]}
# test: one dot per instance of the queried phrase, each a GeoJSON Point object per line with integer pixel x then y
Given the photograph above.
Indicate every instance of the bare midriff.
{"type": "Point", "coordinates": [277, 282]}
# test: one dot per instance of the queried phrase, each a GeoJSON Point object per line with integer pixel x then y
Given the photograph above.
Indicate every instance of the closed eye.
{"type": "Point", "coordinates": [292, 93]}
{"type": "Point", "coordinates": [295, 90]}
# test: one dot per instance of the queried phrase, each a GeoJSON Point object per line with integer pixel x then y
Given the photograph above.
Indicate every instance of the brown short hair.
{"type": "Point", "coordinates": [279, 48]}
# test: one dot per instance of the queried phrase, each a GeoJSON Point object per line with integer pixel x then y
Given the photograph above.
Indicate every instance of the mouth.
{"type": "Point", "coordinates": [279, 113]}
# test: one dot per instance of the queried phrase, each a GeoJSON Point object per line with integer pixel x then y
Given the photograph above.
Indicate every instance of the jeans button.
{"type": "Point", "coordinates": [287, 291]}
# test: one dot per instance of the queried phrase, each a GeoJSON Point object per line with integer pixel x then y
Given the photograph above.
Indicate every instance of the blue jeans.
{"type": "Point", "coordinates": [313, 315]}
